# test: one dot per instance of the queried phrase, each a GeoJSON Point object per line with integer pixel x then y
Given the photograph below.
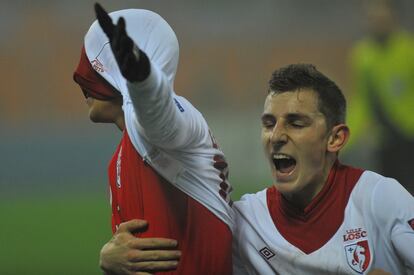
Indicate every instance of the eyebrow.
{"type": "Point", "coordinates": [297, 116]}
{"type": "Point", "coordinates": [289, 116]}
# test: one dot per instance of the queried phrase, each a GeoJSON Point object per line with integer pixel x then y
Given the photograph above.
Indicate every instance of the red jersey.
{"type": "Point", "coordinates": [138, 192]}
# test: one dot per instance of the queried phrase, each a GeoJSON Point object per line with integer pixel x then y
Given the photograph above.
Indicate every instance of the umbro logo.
{"type": "Point", "coordinates": [267, 253]}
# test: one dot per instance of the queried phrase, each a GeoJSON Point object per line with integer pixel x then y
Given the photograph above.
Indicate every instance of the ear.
{"type": "Point", "coordinates": [338, 138]}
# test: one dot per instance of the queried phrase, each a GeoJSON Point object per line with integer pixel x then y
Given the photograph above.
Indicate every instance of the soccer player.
{"type": "Point", "coordinates": [167, 168]}
{"type": "Point", "coordinates": [320, 216]}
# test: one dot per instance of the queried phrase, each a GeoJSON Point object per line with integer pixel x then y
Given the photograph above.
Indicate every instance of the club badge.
{"type": "Point", "coordinates": [358, 254]}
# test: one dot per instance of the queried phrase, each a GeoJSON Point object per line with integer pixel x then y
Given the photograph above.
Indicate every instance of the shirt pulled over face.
{"type": "Point", "coordinates": [149, 31]}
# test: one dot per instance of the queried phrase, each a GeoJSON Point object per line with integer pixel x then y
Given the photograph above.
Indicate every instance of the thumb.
{"type": "Point", "coordinates": [133, 226]}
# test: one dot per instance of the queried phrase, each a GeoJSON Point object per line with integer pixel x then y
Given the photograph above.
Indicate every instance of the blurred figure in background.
{"type": "Point", "coordinates": [382, 101]}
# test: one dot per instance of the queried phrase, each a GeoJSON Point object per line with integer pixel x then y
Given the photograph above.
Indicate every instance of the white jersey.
{"type": "Point", "coordinates": [184, 152]}
{"type": "Point", "coordinates": [167, 131]}
{"type": "Point", "coordinates": [375, 229]}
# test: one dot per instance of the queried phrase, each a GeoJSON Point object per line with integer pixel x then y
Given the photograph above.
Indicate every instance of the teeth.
{"type": "Point", "coordinates": [281, 156]}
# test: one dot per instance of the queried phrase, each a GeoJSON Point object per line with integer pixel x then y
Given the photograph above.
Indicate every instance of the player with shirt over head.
{"type": "Point", "coordinates": [167, 169]}
{"type": "Point", "coordinates": [320, 216]}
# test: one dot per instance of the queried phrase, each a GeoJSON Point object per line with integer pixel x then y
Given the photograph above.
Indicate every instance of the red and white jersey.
{"type": "Point", "coordinates": [167, 169]}
{"type": "Point", "coordinates": [166, 130]}
{"type": "Point", "coordinates": [359, 221]}
{"type": "Point", "coordinates": [138, 192]}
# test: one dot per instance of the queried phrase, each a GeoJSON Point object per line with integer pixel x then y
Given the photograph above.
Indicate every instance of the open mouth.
{"type": "Point", "coordinates": [284, 163]}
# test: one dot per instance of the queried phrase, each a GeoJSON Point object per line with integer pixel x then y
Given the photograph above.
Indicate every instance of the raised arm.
{"type": "Point", "coordinates": [165, 120]}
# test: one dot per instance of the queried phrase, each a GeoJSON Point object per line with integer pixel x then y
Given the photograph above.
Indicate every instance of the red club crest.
{"type": "Point", "coordinates": [358, 256]}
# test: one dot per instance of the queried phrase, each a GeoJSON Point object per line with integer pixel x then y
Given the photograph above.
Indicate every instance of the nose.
{"type": "Point", "coordinates": [278, 137]}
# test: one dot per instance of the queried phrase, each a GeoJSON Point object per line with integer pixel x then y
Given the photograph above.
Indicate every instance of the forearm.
{"type": "Point", "coordinates": [162, 120]}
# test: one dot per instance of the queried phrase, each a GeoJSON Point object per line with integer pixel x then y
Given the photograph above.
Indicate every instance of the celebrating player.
{"type": "Point", "coordinates": [167, 168]}
{"type": "Point", "coordinates": [319, 217]}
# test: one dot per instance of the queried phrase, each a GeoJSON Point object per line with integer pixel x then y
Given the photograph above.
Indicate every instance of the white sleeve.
{"type": "Point", "coordinates": [174, 138]}
{"type": "Point", "coordinates": [394, 209]}
{"type": "Point", "coordinates": [167, 120]}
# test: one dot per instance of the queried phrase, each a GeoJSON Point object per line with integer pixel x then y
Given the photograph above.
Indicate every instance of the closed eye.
{"type": "Point", "coordinates": [298, 124]}
{"type": "Point", "coordinates": [298, 120]}
{"type": "Point", "coordinates": [268, 121]}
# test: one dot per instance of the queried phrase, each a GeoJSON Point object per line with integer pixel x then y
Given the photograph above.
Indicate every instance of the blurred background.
{"type": "Point", "coordinates": [54, 205]}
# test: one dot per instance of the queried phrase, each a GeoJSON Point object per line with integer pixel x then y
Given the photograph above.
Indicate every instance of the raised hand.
{"type": "Point", "coordinates": [127, 254]}
{"type": "Point", "coordinates": [133, 63]}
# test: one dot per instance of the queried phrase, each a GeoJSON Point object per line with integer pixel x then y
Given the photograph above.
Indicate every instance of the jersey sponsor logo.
{"type": "Point", "coordinates": [411, 223]}
{"type": "Point", "coordinates": [267, 253]}
{"type": "Point", "coordinates": [179, 105]}
{"type": "Point", "coordinates": [118, 168]}
{"type": "Point", "coordinates": [97, 66]}
{"type": "Point", "coordinates": [358, 256]}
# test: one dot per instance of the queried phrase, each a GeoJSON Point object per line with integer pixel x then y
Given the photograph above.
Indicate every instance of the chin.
{"type": "Point", "coordinates": [96, 118]}
{"type": "Point", "coordinates": [286, 187]}
{"type": "Point", "coordinates": [93, 117]}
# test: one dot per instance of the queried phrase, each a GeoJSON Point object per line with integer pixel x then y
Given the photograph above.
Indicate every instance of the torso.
{"type": "Point", "coordinates": [137, 191]}
{"type": "Point", "coordinates": [336, 236]}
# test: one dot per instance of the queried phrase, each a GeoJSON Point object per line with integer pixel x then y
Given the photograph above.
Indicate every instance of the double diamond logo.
{"type": "Point", "coordinates": [267, 253]}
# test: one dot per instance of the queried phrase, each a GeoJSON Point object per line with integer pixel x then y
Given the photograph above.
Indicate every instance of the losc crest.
{"type": "Point", "coordinates": [357, 251]}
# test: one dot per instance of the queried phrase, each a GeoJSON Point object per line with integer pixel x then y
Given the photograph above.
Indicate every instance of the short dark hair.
{"type": "Point", "coordinates": [331, 101]}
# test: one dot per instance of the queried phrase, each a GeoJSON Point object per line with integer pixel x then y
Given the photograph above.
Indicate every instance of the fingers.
{"type": "Point", "coordinates": [152, 243]}
{"type": "Point", "coordinates": [104, 20]}
{"type": "Point", "coordinates": [154, 255]}
{"type": "Point", "coordinates": [132, 226]}
{"type": "Point", "coordinates": [133, 63]}
{"type": "Point", "coordinates": [120, 39]}
{"type": "Point", "coordinates": [122, 44]}
{"type": "Point", "coordinates": [154, 266]}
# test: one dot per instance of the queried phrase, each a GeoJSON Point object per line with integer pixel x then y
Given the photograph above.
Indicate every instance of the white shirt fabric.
{"type": "Point", "coordinates": [165, 129]}
{"type": "Point", "coordinates": [378, 206]}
